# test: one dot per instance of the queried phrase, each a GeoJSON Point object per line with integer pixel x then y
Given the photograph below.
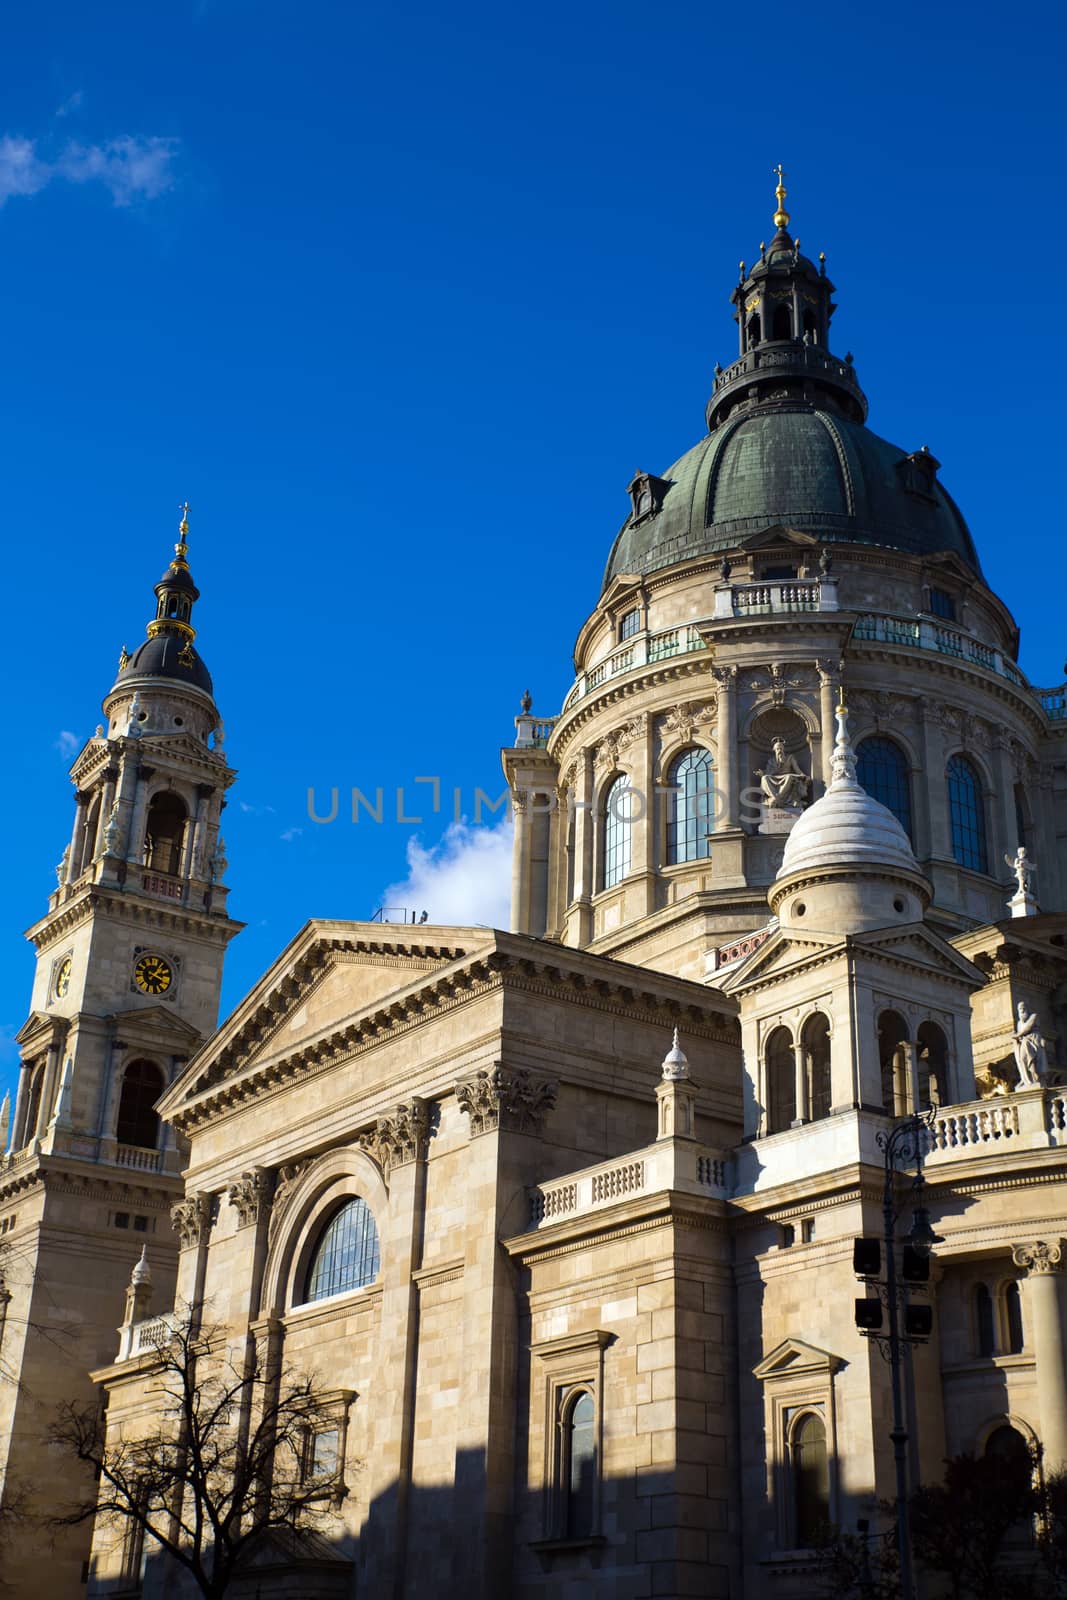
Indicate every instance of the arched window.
{"type": "Point", "coordinates": [346, 1256]}
{"type": "Point", "coordinates": [691, 809]}
{"type": "Point", "coordinates": [967, 814]}
{"type": "Point", "coordinates": [816, 1042]}
{"type": "Point", "coordinates": [631, 622]}
{"type": "Point", "coordinates": [811, 1480]}
{"type": "Point", "coordinates": [1013, 1319]}
{"type": "Point", "coordinates": [579, 1465]}
{"type": "Point", "coordinates": [781, 1081]}
{"type": "Point", "coordinates": [892, 1034]}
{"type": "Point", "coordinates": [985, 1335]}
{"type": "Point", "coordinates": [782, 326]}
{"type": "Point", "coordinates": [754, 334]}
{"type": "Point", "coordinates": [164, 831]}
{"type": "Point", "coordinates": [1008, 1444]}
{"type": "Point", "coordinates": [618, 806]}
{"type": "Point", "coordinates": [811, 327]}
{"type": "Point", "coordinates": [882, 768]}
{"type": "Point", "coordinates": [92, 823]}
{"type": "Point", "coordinates": [933, 1066]}
{"type": "Point", "coordinates": [1022, 815]}
{"type": "Point", "coordinates": [142, 1085]}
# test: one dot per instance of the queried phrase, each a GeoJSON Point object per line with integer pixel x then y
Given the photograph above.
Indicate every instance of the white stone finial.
{"type": "Point", "coordinates": [142, 1272]}
{"type": "Point", "coordinates": [843, 760]}
{"type": "Point", "coordinates": [675, 1062]}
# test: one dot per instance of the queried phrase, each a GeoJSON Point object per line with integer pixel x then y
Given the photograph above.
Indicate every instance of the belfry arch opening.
{"type": "Point", "coordinates": [165, 833]}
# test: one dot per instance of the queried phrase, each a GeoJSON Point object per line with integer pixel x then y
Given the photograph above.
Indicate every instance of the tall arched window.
{"type": "Point", "coordinates": [811, 1480]}
{"type": "Point", "coordinates": [579, 1465]}
{"type": "Point", "coordinates": [882, 768]}
{"type": "Point", "coordinates": [691, 809]}
{"type": "Point", "coordinates": [933, 1066]}
{"type": "Point", "coordinates": [892, 1034]}
{"type": "Point", "coordinates": [33, 1110]}
{"type": "Point", "coordinates": [618, 808]}
{"type": "Point", "coordinates": [781, 1081]}
{"type": "Point", "coordinates": [984, 1330]}
{"type": "Point", "coordinates": [1013, 1319]}
{"type": "Point", "coordinates": [816, 1042]}
{"type": "Point", "coordinates": [754, 334]}
{"type": "Point", "coordinates": [164, 832]}
{"type": "Point", "coordinates": [967, 815]}
{"type": "Point", "coordinates": [1009, 1445]}
{"type": "Point", "coordinates": [346, 1256]}
{"type": "Point", "coordinates": [142, 1085]}
{"type": "Point", "coordinates": [782, 325]}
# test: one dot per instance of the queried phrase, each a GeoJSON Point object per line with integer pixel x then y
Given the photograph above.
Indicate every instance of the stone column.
{"type": "Point", "coordinates": [19, 1135]}
{"type": "Point", "coordinates": [1006, 823]}
{"type": "Point", "coordinates": [105, 1123]}
{"type": "Point", "coordinates": [583, 845]}
{"type": "Point", "coordinates": [107, 800]}
{"type": "Point", "coordinates": [48, 1092]}
{"type": "Point", "coordinates": [77, 838]}
{"type": "Point", "coordinates": [135, 841]}
{"type": "Point", "coordinates": [911, 1077]}
{"type": "Point", "coordinates": [802, 1111]}
{"type": "Point", "coordinates": [192, 864]}
{"type": "Point", "coordinates": [520, 863]}
{"type": "Point", "coordinates": [643, 805]}
{"type": "Point", "coordinates": [827, 721]}
{"type": "Point", "coordinates": [933, 791]}
{"type": "Point", "coordinates": [726, 753]}
{"type": "Point", "coordinates": [1043, 1260]}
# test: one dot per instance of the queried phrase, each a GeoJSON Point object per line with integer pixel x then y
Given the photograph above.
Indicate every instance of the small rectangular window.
{"type": "Point", "coordinates": [140, 1224]}
{"type": "Point", "coordinates": [807, 1230]}
{"type": "Point", "coordinates": [942, 604]}
{"type": "Point", "coordinates": [630, 624]}
{"type": "Point", "coordinates": [787, 1236]}
{"type": "Point", "coordinates": [122, 1219]}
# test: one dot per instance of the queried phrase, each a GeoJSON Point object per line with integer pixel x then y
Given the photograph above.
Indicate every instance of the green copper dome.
{"type": "Point", "coordinates": [801, 466]}
{"type": "Point", "coordinates": [787, 442]}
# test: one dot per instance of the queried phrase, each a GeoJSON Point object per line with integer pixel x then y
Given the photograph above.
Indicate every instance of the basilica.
{"type": "Point", "coordinates": [563, 1218]}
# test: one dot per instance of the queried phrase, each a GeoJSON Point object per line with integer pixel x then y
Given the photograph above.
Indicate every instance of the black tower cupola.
{"type": "Point", "coordinates": [176, 592]}
{"type": "Point", "coordinates": [168, 651]}
{"type": "Point", "coordinates": [784, 306]}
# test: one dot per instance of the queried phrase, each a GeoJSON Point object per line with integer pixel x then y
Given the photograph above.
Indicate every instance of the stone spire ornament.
{"type": "Point", "coordinates": [843, 760]}
{"type": "Point", "coordinates": [676, 1095]}
{"type": "Point", "coordinates": [138, 1299]}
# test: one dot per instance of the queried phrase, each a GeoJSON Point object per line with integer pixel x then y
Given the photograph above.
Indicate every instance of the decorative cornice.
{"type": "Point", "coordinates": [250, 1196]}
{"type": "Point", "coordinates": [399, 1138]}
{"type": "Point", "coordinates": [508, 1099]}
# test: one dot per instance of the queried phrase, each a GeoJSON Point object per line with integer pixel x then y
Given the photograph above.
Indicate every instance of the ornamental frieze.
{"type": "Point", "coordinates": [506, 1098]}
{"type": "Point", "coordinates": [400, 1137]}
{"type": "Point", "coordinates": [778, 678]}
{"type": "Point", "coordinates": [285, 1181]}
{"type": "Point", "coordinates": [683, 721]}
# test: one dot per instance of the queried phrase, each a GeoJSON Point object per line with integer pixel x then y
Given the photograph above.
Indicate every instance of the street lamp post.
{"type": "Point", "coordinates": [901, 1145]}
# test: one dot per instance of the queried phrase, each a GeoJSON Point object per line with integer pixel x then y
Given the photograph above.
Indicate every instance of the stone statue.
{"type": "Point", "coordinates": [133, 725]}
{"type": "Point", "coordinates": [725, 569]}
{"type": "Point", "coordinates": [526, 703]}
{"type": "Point", "coordinates": [1024, 869]}
{"type": "Point", "coordinates": [218, 862]}
{"type": "Point", "coordinates": [783, 781]}
{"type": "Point", "coordinates": [1029, 1046]}
{"type": "Point", "coordinates": [61, 868]}
{"type": "Point", "coordinates": [113, 833]}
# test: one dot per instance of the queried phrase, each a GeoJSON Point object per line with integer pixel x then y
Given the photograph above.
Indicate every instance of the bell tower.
{"type": "Point", "coordinates": [129, 970]}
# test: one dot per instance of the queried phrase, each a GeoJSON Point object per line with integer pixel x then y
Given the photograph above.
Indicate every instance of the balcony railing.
{"type": "Point", "coordinates": [137, 1157]}
{"type": "Point", "coordinates": [922, 633]}
{"type": "Point", "coordinates": [669, 1164]}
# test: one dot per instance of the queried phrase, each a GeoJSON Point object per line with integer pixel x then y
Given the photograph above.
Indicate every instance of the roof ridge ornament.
{"type": "Point", "coordinates": [781, 215]}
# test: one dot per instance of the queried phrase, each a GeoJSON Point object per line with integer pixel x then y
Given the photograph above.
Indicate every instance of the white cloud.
{"type": "Point", "coordinates": [129, 168]}
{"type": "Point", "coordinates": [71, 104]}
{"type": "Point", "coordinates": [464, 878]}
{"type": "Point", "coordinates": [67, 742]}
{"type": "Point", "coordinates": [290, 834]}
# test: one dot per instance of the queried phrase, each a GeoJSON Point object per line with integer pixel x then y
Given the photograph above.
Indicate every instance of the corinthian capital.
{"type": "Point", "coordinates": [508, 1098]}
{"type": "Point", "coordinates": [1043, 1255]}
{"type": "Point", "coordinates": [400, 1137]}
{"type": "Point", "coordinates": [191, 1219]}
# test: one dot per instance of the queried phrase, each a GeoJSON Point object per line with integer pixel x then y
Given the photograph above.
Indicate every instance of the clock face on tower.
{"type": "Point", "coordinates": [152, 974]}
{"type": "Point", "coordinates": [62, 983]}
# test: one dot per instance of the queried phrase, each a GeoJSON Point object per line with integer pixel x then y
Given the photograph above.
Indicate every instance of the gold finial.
{"type": "Point", "coordinates": [181, 549]}
{"type": "Point", "coordinates": [781, 216]}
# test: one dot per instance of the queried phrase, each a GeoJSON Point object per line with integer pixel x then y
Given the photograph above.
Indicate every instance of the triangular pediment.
{"type": "Point", "coordinates": [329, 976]}
{"type": "Point", "coordinates": [795, 1358]}
{"type": "Point", "coordinates": [918, 945]}
{"type": "Point", "coordinates": [157, 1022]}
{"type": "Point", "coordinates": [784, 953]}
{"type": "Point", "coordinates": [39, 1029]}
{"type": "Point", "coordinates": [776, 536]}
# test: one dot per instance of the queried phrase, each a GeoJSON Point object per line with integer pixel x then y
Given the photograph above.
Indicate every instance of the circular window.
{"type": "Point", "coordinates": [178, 722]}
{"type": "Point", "coordinates": [898, 904]}
{"type": "Point", "coordinates": [799, 908]}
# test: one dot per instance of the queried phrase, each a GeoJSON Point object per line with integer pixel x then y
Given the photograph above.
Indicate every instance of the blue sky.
{"type": "Point", "coordinates": [399, 297]}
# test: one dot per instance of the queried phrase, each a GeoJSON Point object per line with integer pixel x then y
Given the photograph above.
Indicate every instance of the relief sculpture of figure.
{"type": "Point", "coordinates": [783, 781]}
{"type": "Point", "coordinates": [1029, 1046]}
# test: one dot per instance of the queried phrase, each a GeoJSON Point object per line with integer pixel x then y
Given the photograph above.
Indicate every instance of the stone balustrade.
{"type": "Point", "coordinates": [669, 1164]}
{"type": "Point", "coordinates": [138, 1338]}
{"type": "Point", "coordinates": [925, 633]}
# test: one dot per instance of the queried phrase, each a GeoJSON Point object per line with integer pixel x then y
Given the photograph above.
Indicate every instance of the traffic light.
{"type": "Point", "coordinates": [918, 1322]}
{"type": "Point", "coordinates": [868, 1312]}
{"type": "Point", "coordinates": [914, 1265]}
{"type": "Point", "coordinates": [867, 1257]}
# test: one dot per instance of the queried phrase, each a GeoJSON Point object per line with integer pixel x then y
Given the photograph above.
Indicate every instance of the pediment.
{"type": "Point", "coordinates": [776, 536]}
{"type": "Point", "coordinates": [795, 1358]}
{"type": "Point", "coordinates": [919, 945]}
{"type": "Point", "coordinates": [39, 1029]}
{"type": "Point", "coordinates": [784, 953]}
{"type": "Point", "coordinates": [157, 1022]}
{"type": "Point", "coordinates": [326, 978]}
{"type": "Point", "coordinates": [183, 745]}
